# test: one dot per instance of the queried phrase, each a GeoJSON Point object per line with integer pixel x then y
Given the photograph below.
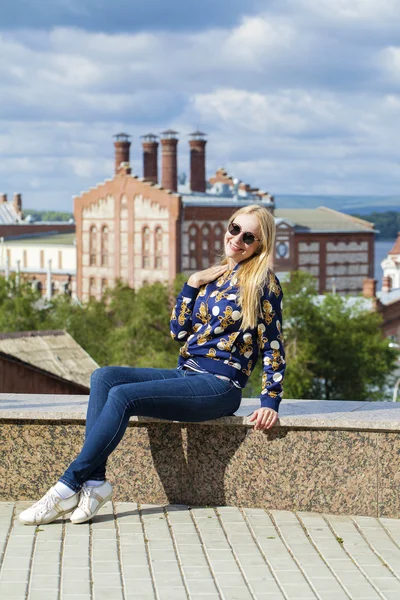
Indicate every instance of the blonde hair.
{"type": "Point", "coordinates": [254, 273]}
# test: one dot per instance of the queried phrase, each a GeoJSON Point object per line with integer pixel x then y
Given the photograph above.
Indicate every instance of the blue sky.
{"type": "Point", "coordinates": [296, 96]}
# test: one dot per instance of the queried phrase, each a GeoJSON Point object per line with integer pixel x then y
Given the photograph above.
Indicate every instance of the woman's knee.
{"type": "Point", "coordinates": [118, 398]}
{"type": "Point", "coordinates": [102, 375]}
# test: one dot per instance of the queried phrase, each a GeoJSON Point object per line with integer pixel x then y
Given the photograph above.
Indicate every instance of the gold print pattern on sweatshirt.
{"type": "Point", "coordinates": [274, 361]}
{"type": "Point", "coordinates": [202, 291]}
{"type": "Point", "coordinates": [226, 344]}
{"type": "Point", "coordinates": [185, 312]}
{"type": "Point", "coordinates": [173, 315]}
{"type": "Point", "coordinates": [268, 312]}
{"type": "Point", "coordinates": [264, 381]}
{"type": "Point", "coordinates": [274, 286]}
{"type": "Point", "coordinates": [247, 347]}
{"type": "Point", "coordinates": [261, 339]}
{"type": "Point", "coordinates": [183, 351]}
{"type": "Point", "coordinates": [212, 353]}
{"type": "Point", "coordinates": [248, 370]}
{"type": "Point", "coordinates": [229, 318]}
{"type": "Point", "coordinates": [223, 279]}
{"type": "Point", "coordinates": [204, 337]}
{"type": "Point", "coordinates": [222, 294]}
{"type": "Point", "coordinates": [203, 314]}
{"type": "Point", "coordinates": [279, 328]}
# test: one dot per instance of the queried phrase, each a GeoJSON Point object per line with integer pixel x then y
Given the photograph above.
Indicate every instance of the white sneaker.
{"type": "Point", "coordinates": [91, 500]}
{"type": "Point", "coordinates": [49, 508]}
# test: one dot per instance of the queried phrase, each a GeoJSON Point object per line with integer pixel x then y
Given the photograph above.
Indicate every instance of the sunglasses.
{"type": "Point", "coordinates": [248, 237]}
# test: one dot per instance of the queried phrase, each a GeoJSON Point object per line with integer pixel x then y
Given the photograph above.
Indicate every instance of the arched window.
{"type": "Point", "coordinates": [219, 233]}
{"type": "Point", "coordinates": [193, 247]}
{"type": "Point", "coordinates": [104, 246]}
{"type": "Point", "coordinates": [146, 248]}
{"type": "Point", "coordinates": [205, 246]}
{"type": "Point", "coordinates": [92, 245]}
{"type": "Point", "coordinates": [158, 243]}
{"type": "Point", "coordinates": [92, 287]}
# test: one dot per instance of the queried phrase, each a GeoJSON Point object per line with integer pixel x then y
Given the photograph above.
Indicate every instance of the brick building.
{"type": "Point", "coordinates": [140, 230]}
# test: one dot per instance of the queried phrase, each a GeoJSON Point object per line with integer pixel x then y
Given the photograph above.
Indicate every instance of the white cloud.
{"type": "Point", "coordinates": [289, 102]}
{"type": "Point", "coordinates": [354, 11]}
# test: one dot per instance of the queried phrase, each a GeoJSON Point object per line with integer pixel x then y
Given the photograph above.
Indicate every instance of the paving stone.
{"type": "Point", "coordinates": [307, 535]}
{"type": "Point", "coordinates": [10, 589]}
{"type": "Point", "coordinates": [106, 593]}
{"type": "Point", "coordinates": [197, 586]}
{"type": "Point", "coordinates": [236, 593]}
{"type": "Point", "coordinates": [77, 574]}
{"type": "Point", "coordinates": [49, 595]}
{"type": "Point", "coordinates": [138, 586]}
{"type": "Point", "coordinates": [75, 587]}
{"type": "Point", "coordinates": [44, 582]}
{"type": "Point", "coordinates": [172, 593]}
{"type": "Point", "coordinates": [7, 575]}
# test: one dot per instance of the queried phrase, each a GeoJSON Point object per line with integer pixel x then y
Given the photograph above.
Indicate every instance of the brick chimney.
{"type": "Point", "coordinates": [369, 288]}
{"type": "Point", "coordinates": [386, 283]}
{"type": "Point", "coordinates": [150, 157]}
{"type": "Point", "coordinates": [3, 198]}
{"type": "Point", "coordinates": [198, 162]}
{"type": "Point", "coordinates": [122, 146]}
{"type": "Point", "coordinates": [17, 204]}
{"type": "Point", "coordinates": [169, 143]}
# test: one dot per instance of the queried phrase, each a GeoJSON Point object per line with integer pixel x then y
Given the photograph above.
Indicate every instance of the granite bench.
{"type": "Point", "coordinates": [333, 457]}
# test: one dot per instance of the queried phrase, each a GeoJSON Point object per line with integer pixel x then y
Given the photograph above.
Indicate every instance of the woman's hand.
{"type": "Point", "coordinates": [264, 417]}
{"type": "Point", "coordinates": [202, 277]}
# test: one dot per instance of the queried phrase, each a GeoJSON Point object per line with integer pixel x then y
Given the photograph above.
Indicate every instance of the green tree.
{"type": "Point", "coordinates": [89, 324]}
{"type": "Point", "coordinates": [387, 223]}
{"type": "Point", "coordinates": [48, 215]}
{"type": "Point", "coordinates": [143, 338]}
{"type": "Point", "coordinates": [334, 348]}
{"type": "Point", "coordinates": [19, 306]}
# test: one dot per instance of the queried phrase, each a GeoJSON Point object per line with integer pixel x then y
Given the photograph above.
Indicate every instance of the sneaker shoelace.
{"type": "Point", "coordinates": [86, 494]}
{"type": "Point", "coordinates": [47, 503]}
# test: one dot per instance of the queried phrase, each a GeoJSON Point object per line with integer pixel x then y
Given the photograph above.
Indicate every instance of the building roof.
{"type": "Point", "coordinates": [396, 247]}
{"type": "Point", "coordinates": [53, 351]}
{"type": "Point", "coordinates": [323, 219]}
{"type": "Point", "coordinates": [214, 200]}
{"type": "Point", "coordinates": [389, 297]}
{"type": "Point", "coordinates": [42, 239]}
{"type": "Point", "coordinates": [8, 214]}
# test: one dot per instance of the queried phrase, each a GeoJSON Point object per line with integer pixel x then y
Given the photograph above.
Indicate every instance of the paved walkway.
{"type": "Point", "coordinates": [173, 553]}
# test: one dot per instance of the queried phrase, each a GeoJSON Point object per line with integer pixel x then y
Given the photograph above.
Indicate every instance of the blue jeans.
{"type": "Point", "coordinates": [118, 393]}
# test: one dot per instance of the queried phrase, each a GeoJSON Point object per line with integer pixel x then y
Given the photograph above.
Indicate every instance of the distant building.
{"type": "Point", "coordinates": [44, 362]}
{"type": "Point", "coordinates": [388, 299]}
{"type": "Point", "coordinates": [13, 224]}
{"type": "Point", "coordinates": [391, 268]}
{"type": "Point", "coordinates": [48, 261]}
{"type": "Point", "coordinates": [137, 230]}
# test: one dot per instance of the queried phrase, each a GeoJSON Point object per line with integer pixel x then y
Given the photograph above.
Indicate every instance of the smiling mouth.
{"type": "Point", "coordinates": [234, 247]}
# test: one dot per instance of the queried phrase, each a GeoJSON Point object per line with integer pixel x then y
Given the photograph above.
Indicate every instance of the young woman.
{"type": "Point", "coordinates": [225, 316]}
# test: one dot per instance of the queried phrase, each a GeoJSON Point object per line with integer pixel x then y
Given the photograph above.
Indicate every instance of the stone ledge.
{"type": "Point", "coordinates": [332, 457]}
{"type": "Point", "coordinates": [309, 414]}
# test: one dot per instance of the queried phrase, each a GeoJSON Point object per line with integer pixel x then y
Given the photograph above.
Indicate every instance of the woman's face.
{"type": "Point", "coordinates": [235, 248]}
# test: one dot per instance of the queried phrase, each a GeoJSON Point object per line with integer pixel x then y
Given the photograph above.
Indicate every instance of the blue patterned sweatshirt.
{"type": "Point", "coordinates": [208, 320]}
